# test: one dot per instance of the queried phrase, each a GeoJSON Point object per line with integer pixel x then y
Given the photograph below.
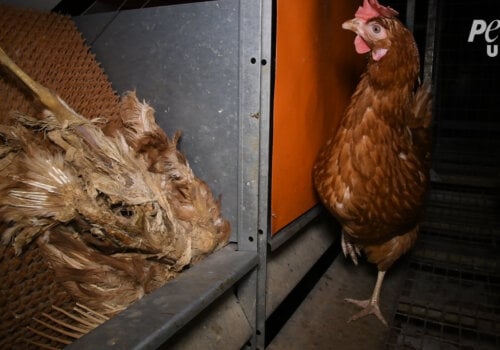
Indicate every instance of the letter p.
{"type": "Point", "coordinates": [478, 27]}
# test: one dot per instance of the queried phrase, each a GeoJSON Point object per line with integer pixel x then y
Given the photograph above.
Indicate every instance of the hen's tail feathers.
{"type": "Point", "coordinates": [64, 327]}
{"type": "Point", "coordinates": [420, 124]}
{"type": "Point", "coordinates": [422, 108]}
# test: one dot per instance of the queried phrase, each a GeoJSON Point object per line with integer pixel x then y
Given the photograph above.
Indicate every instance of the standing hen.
{"type": "Point", "coordinates": [373, 173]}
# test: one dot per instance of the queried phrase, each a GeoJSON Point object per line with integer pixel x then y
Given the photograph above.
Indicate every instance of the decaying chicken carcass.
{"type": "Point", "coordinates": [115, 214]}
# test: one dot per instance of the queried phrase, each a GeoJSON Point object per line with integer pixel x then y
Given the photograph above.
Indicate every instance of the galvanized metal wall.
{"type": "Point", "coordinates": [183, 61]}
{"type": "Point", "coordinates": [205, 67]}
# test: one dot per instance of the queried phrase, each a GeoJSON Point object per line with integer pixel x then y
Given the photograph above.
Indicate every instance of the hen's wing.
{"type": "Point", "coordinates": [420, 123]}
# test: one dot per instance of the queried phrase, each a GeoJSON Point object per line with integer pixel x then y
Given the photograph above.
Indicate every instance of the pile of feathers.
{"type": "Point", "coordinates": [115, 214]}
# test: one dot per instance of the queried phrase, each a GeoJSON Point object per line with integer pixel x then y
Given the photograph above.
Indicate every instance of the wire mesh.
{"type": "Point", "coordinates": [442, 307]}
{"type": "Point", "coordinates": [451, 296]}
{"type": "Point", "coordinates": [466, 113]}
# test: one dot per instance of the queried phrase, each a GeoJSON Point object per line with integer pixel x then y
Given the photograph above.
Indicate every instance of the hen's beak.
{"type": "Point", "coordinates": [356, 25]}
{"type": "Point", "coordinates": [352, 24]}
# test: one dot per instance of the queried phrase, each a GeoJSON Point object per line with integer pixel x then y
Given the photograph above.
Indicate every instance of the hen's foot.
{"type": "Point", "coordinates": [368, 308]}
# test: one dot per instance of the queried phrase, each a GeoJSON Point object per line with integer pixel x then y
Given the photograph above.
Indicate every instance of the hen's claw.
{"type": "Point", "coordinates": [368, 308]}
{"type": "Point", "coordinates": [350, 249]}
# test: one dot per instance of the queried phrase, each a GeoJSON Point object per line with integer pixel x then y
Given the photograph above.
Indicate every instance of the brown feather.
{"type": "Point", "coordinates": [374, 155]}
{"type": "Point", "coordinates": [373, 174]}
{"type": "Point", "coordinates": [99, 280]}
{"type": "Point", "coordinates": [115, 214]}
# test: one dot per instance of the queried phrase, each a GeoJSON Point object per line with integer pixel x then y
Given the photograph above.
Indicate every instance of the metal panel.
{"type": "Point", "coordinates": [290, 230]}
{"type": "Point", "coordinates": [288, 265]}
{"type": "Point", "coordinates": [183, 60]}
{"type": "Point", "coordinates": [254, 120]}
{"type": "Point", "coordinates": [316, 73]}
{"type": "Point", "coordinates": [206, 69]}
{"type": "Point", "coordinates": [222, 326]}
{"type": "Point", "coordinates": [249, 123]}
{"type": "Point", "coordinates": [263, 217]}
{"type": "Point", "coordinates": [151, 321]}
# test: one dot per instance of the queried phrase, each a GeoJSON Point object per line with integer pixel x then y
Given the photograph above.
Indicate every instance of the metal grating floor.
{"type": "Point", "coordinates": [450, 298]}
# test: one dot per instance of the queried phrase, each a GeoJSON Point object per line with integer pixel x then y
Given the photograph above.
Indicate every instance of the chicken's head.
{"type": "Point", "coordinates": [371, 24]}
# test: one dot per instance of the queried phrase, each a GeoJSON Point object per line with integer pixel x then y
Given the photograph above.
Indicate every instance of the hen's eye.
{"type": "Point", "coordinates": [376, 28]}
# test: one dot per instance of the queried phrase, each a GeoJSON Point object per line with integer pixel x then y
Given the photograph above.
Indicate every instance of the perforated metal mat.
{"type": "Point", "coordinates": [50, 49]}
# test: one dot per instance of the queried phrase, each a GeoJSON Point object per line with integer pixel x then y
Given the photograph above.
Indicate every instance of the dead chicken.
{"type": "Point", "coordinates": [115, 215]}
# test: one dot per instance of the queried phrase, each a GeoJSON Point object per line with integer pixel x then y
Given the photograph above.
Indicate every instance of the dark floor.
{"type": "Point", "coordinates": [444, 295]}
{"type": "Point", "coordinates": [320, 321]}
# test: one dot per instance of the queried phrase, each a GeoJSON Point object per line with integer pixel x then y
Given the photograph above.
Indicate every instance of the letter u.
{"type": "Point", "coordinates": [492, 50]}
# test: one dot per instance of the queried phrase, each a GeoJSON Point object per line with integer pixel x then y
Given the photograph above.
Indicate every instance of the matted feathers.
{"type": "Point", "coordinates": [116, 213]}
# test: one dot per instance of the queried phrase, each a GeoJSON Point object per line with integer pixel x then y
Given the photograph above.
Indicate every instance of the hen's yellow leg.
{"type": "Point", "coordinates": [370, 306]}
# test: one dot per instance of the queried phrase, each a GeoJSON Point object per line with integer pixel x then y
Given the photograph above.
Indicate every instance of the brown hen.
{"type": "Point", "coordinates": [373, 173]}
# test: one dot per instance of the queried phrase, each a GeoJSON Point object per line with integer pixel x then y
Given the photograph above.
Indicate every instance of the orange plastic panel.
{"type": "Point", "coordinates": [316, 72]}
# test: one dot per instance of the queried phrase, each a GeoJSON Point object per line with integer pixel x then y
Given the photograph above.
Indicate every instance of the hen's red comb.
{"type": "Point", "coordinates": [372, 9]}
